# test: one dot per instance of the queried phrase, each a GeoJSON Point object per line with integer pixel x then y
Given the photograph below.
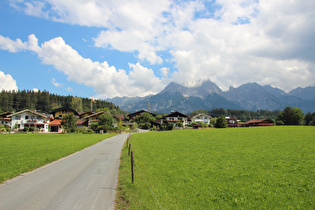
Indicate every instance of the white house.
{"type": "Point", "coordinates": [28, 118]}
{"type": "Point", "coordinates": [176, 117]}
{"type": "Point", "coordinates": [201, 118]}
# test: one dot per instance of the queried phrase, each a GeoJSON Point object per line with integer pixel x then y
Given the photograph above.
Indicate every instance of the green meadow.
{"type": "Point", "coordinates": [21, 153]}
{"type": "Point", "coordinates": [233, 168]}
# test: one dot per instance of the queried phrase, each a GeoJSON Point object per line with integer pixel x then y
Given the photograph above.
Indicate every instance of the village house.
{"type": "Point", "coordinates": [175, 117]}
{"type": "Point", "coordinates": [260, 122]}
{"type": "Point", "coordinates": [132, 116]}
{"type": "Point", "coordinates": [4, 119]}
{"type": "Point", "coordinates": [231, 121]}
{"type": "Point", "coordinates": [200, 118]}
{"type": "Point", "coordinates": [28, 118]}
{"type": "Point", "coordinates": [62, 111]}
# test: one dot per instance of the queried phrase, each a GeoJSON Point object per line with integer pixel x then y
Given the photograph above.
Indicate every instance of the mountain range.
{"type": "Point", "coordinates": [207, 95]}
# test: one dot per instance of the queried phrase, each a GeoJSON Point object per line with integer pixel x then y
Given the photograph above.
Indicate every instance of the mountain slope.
{"type": "Point", "coordinates": [207, 95]}
{"type": "Point", "coordinates": [307, 93]}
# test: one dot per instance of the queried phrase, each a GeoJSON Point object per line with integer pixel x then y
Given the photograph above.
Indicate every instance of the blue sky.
{"type": "Point", "coordinates": [134, 48]}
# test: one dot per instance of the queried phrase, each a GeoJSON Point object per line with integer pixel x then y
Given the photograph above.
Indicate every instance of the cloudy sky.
{"type": "Point", "coordinates": [108, 48]}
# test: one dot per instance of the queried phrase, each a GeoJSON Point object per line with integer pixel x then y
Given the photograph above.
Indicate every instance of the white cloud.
{"type": "Point", "coordinates": [56, 84]}
{"type": "Point", "coordinates": [106, 80]}
{"type": "Point", "coordinates": [164, 71]}
{"type": "Point", "coordinates": [237, 42]}
{"type": "Point", "coordinates": [35, 90]}
{"type": "Point", "coordinates": [12, 46]}
{"type": "Point", "coordinates": [7, 82]}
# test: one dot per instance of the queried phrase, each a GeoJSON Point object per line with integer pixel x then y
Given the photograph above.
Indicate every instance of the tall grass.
{"type": "Point", "coordinates": [245, 168]}
{"type": "Point", "coordinates": [20, 153]}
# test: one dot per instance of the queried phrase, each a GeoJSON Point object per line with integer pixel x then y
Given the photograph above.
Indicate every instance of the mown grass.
{"type": "Point", "coordinates": [21, 153]}
{"type": "Point", "coordinates": [243, 168]}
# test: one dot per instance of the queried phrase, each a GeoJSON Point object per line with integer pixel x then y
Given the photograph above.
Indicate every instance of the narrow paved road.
{"type": "Point", "coordinates": [85, 180]}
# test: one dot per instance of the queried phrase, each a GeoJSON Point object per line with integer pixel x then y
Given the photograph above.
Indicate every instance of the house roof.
{"type": "Point", "coordinates": [27, 110]}
{"type": "Point", "coordinates": [81, 114]}
{"type": "Point", "coordinates": [64, 109]}
{"type": "Point", "coordinates": [4, 114]}
{"type": "Point", "coordinates": [140, 112]}
{"type": "Point", "coordinates": [257, 121]}
{"type": "Point", "coordinates": [95, 114]}
{"type": "Point", "coordinates": [80, 122]}
{"type": "Point", "coordinates": [119, 116]}
{"type": "Point", "coordinates": [175, 114]}
{"type": "Point", "coordinates": [55, 122]}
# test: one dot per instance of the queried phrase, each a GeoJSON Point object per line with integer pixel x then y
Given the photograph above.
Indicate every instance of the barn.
{"type": "Point", "coordinates": [260, 122]}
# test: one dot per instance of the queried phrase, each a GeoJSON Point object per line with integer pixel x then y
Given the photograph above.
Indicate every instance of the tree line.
{"type": "Point", "coordinates": [45, 102]}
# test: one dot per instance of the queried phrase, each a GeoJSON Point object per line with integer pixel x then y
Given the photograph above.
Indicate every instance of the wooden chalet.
{"type": "Point", "coordinates": [135, 114]}
{"type": "Point", "coordinates": [261, 122]}
{"type": "Point", "coordinates": [175, 117]}
{"type": "Point", "coordinates": [62, 111]}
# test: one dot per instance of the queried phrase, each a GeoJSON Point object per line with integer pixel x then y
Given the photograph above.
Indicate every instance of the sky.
{"type": "Point", "coordinates": [109, 48]}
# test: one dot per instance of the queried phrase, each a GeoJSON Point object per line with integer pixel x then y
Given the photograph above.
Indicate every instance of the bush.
{"type": "Point", "coordinates": [221, 122]}
{"type": "Point", "coordinates": [31, 129]}
{"type": "Point", "coordinates": [179, 124]}
{"type": "Point", "coordinates": [85, 130]}
{"type": "Point", "coordinates": [145, 125]}
{"type": "Point", "coordinates": [105, 128]}
{"type": "Point", "coordinates": [167, 126]}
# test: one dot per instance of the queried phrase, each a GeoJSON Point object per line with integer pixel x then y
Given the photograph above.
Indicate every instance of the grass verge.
{"type": "Point", "coordinates": [244, 168]}
{"type": "Point", "coordinates": [21, 153]}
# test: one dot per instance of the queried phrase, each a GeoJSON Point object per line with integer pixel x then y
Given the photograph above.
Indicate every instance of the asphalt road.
{"type": "Point", "coordinates": [85, 180]}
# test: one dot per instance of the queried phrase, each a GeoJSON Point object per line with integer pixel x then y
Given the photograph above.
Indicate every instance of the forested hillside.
{"type": "Point", "coordinates": [44, 101]}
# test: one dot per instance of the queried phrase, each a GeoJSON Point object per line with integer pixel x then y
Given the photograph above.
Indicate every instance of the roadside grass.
{"type": "Point", "coordinates": [242, 168]}
{"type": "Point", "coordinates": [21, 153]}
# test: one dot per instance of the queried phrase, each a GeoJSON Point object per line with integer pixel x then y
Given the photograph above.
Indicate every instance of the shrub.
{"type": "Point", "coordinates": [85, 130]}
{"type": "Point", "coordinates": [179, 124]}
{"type": "Point", "coordinates": [221, 122]}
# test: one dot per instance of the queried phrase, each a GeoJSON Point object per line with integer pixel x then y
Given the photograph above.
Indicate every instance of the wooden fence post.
{"type": "Point", "coordinates": [132, 174]}
{"type": "Point", "coordinates": [129, 149]}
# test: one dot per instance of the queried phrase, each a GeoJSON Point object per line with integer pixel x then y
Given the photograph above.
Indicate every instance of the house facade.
{"type": "Point", "coordinates": [62, 111]}
{"type": "Point", "coordinates": [231, 121]}
{"type": "Point", "coordinates": [28, 118]}
{"type": "Point", "coordinates": [176, 117]}
{"type": "Point", "coordinates": [200, 118]}
{"type": "Point", "coordinates": [4, 119]}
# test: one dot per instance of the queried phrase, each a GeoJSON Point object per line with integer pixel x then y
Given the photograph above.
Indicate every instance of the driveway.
{"type": "Point", "coordinates": [84, 180]}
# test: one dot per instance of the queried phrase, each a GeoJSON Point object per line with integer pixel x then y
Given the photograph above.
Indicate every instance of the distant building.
{"type": "Point", "coordinates": [4, 119]}
{"type": "Point", "coordinates": [135, 114]}
{"type": "Point", "coordinates": [260, 122]}
{"type": "Point", "coordinates": [231, 121]}
{"type": "Point", "coordinates": [62, 111]}
{"type": "Point", "coordinates": [175, 117]}
{"type": "Point", "coordinates": [200, 118]}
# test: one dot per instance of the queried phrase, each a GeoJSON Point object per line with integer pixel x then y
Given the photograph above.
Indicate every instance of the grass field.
{"type": "Point", "coordinates": [20, 153]}
{"type": "Point", "coordinates": [242, 168]}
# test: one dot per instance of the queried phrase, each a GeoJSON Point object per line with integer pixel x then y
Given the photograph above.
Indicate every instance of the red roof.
{"type": "Point", "coordinates": [55, 122]}
{"type": "Point", "coordinates": [80, 122]}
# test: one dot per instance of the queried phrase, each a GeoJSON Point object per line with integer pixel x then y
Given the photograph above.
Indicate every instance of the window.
{"type": "Point", "coordinates": [26, 117]}
{"type": "Point", "coordinates": [17, 117]}
{"type": "Point", "coordinates": [32, 117]}
{"type": "Point", "coordinates": [39, 117]}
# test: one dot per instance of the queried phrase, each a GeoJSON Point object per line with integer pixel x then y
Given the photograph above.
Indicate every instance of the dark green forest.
{"type": "Point", "coordinates": [43, 101]}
